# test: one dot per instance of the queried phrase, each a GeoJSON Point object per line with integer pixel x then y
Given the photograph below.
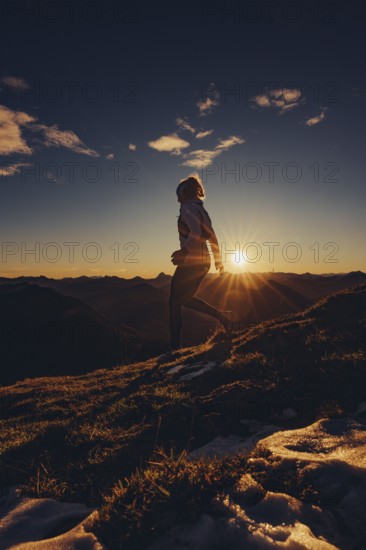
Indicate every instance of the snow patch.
{"type": "Point", "coordinates": [225, 446]}
{"type": "Point", "coordinates": [328, 458]}
{"type": "Point", "coordinates": [202, 368]}
{"type": "Point", "coordinates": [193, 370]}
{"type": "Point", "coordinates": [342, 440]}
{"type": "Point", "coordinates": [45, 524]}
{"type": "Point", "coordinates": [175, 369]}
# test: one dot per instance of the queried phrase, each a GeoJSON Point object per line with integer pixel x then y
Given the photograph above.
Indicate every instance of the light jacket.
{"type": "Point", "coordinates": [195, 230]}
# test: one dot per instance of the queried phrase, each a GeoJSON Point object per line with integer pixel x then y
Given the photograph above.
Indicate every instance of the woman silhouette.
{"type": "Point", "coordinates": [192, 260]}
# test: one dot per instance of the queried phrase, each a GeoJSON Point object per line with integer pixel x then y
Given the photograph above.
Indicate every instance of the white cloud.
{"type": "Point", "coordinates": [288, 94]}
{"type": "Point", "coordinates": [12, 169]}
{"type": "Point", "coordinates": [54, 137]}
{"type": "Point", "coordinates": [283, 99]}
{"type": "Point", "coordinates": [183, 124]}
{"type": "Point", "coordinates": [172, 144]}
{"type": "Point", "coordinates": [316, 119]}
{"type": "Point", "coordinates": [15, 82]}
{"type": "Point", "coordinates": [200, 158]}
{"type": "Point", "coordinates": [225, 144]}
{"type": "Point", "coordinates": [110, 156]}
{"type": "Point", "coordinates": [204, 134]}
{"type": "Point", "coordinates": [132, 147]}
{"type": "Point", "coordinates": [11, 139]}
{"type": "Point", "coordinates": [205, 106]}
{"type": "Point", "coordinates": [262, 101]}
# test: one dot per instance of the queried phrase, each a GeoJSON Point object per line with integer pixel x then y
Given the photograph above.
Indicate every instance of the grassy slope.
{"type": "Point", "coordinates": [117, 439]}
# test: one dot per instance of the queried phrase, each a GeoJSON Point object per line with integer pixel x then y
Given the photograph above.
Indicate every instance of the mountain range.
{"type": "Point", "coordinates": [76, 325]}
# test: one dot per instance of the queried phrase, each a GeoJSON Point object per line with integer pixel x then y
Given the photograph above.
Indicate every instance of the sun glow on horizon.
{"type": "Point", "coordinates": [237, 264]}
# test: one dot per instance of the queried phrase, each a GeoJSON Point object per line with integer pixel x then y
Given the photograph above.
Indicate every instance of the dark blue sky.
{"type": "Point", "coordinates": [123, 93]}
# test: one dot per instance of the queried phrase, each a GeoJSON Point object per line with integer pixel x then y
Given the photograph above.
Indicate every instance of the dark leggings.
{"type": "Point", "coordinates": [185, 282]}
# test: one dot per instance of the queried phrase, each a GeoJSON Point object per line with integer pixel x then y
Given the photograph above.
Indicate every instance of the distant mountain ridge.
{"type": "Point", "coordinates": [131, 316]}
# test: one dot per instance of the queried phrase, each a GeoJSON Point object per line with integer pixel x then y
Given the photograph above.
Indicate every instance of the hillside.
{"type": "Point", "coordinates": [81, 438]}
{"type": "Point", "coordinates": [43, 332]}
{"type": "Point", "coordinates": [142, 304]}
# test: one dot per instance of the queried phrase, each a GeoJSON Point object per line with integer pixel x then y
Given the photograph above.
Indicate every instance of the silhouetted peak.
{"type": "Point", "coordinates": [162, 275]}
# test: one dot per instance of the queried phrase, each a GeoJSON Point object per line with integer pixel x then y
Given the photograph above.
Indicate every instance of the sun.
{"type": "Point", "coordinates": [237, 265]}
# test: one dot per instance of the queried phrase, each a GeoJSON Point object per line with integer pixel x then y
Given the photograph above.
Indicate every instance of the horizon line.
{"type": "Point", "coordinates": [333, 273]}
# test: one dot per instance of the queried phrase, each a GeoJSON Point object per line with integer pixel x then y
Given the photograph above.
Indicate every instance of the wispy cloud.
{"type": "Point", "coordinates": [316, 119]}
{"type": "Point", "coordinates": [262, 101]}
{"type": "Point", "coordinates": [132, 146]}
{"type": "Point", "coordinates": [13, 141]}
{"type": "Point", "coordinates": [110, 156]}
{"type": "Point", "coordinates": [283, 99]}
{"type": "Point", "coordinates": [200, 158]}
{"type": "Point", "coordinates": [171, 143]}
{"type": "Point", "coordinates": [11, 138]}
{"type": "Point", "coordinates": [12, 169]}
{"type": "Point", "coordinates": [176, 145]}
{"type": "Point", "coordinates": [206, 133]}
{"type": "Point", "coordinates": [206, 105]}
{"type": "Point", "coordinates": [183, 124]}
{"type": "Point", "coordinates": [229, 142]}
{"type": "Point", "coordinates": [15, 82]}
{"type": "Point", "coordinates": [54, 137]}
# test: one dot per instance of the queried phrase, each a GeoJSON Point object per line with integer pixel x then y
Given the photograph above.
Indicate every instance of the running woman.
{"type": "Point", "coordinates": [192, 260]}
